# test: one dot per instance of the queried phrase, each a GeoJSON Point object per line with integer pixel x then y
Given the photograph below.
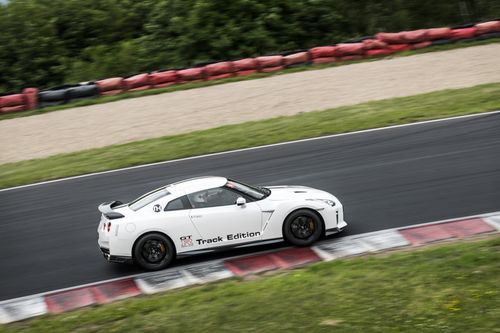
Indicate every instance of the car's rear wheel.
{"type": "Point", "coordinates": [154, 251]}
{"type": "Point", "coordinates": [302, 227]}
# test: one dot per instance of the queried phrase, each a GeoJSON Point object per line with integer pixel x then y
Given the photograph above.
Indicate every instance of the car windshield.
{"type": "Point", "coordinates": [148, 198]}
{"type": "Point", "coordinates": [255, 192]}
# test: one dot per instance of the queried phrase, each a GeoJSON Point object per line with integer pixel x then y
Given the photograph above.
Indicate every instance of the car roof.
{"type": "Point", "coordinates": [197, 184]}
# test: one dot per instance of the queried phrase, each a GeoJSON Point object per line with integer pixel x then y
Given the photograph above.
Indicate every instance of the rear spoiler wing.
{"type": "Point", "coordinates": [106, 208]}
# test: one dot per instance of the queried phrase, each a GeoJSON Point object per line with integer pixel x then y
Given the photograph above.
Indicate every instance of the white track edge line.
{"type": "Point", "coordinates": [253, 148]}
{"type": "Point", "coordinates": [139, 275]}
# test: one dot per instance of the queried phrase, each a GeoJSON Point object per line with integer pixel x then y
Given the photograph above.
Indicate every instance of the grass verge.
{"type": "Point", "coordinates": [402, 110]}
{"type": "Point", "coordinates": [444, 288]}
{"type": "Point", "coordinates": [107, 99]}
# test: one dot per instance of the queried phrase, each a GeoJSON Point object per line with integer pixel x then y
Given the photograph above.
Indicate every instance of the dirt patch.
{"type": "Point", "coordinates": [185, 111]}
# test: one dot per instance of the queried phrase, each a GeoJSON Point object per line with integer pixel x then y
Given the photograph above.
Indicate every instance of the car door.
{"type": "Point", "coordinates": [181, 229]}
{"type": "Point", "coordinates": [221, 221]}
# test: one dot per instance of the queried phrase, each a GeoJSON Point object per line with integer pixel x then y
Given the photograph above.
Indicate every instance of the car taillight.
{"type": "Point", "coordinates": [104, 226]}
{"type": "Point", "coordinates": [109, 226]}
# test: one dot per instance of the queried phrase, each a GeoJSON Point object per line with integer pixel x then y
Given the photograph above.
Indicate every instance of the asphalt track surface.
{"type": "Point", "coordinates": [385, 179]}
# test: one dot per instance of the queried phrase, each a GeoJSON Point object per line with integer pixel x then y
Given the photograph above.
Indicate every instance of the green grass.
{"type": "Point", "coordinates": [444, 288]}
{"type": "Point", "coordinates": [107, 99]}
{"type": "Point", "coordinates": [312, 124]}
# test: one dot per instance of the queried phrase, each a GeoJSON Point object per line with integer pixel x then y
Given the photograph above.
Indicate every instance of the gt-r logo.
{"type": "Point", "coordinates": [156, 208]}
{"type": "Point", "coordinates": [186, 241]}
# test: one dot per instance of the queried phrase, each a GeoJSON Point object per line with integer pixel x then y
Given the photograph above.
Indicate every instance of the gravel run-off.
{"type": "Point", "coordinates": [281, 95]}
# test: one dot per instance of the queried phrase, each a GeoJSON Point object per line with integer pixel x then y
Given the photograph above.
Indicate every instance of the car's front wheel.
{"type": "Point", "coordinates": [154, 251]}
{"type": "Point", "coordinates": [302, 227]}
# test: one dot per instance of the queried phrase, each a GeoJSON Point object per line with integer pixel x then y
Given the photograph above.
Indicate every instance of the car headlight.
{"type": "Point", "coordinates": [327, 201]}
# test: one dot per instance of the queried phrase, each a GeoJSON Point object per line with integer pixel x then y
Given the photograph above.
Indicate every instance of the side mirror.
{"type": "Point", "coordinates": [240, 201]}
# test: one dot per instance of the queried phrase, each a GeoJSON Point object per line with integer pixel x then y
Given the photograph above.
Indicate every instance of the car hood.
{"type": "Point", "coordinates": [291, 192]}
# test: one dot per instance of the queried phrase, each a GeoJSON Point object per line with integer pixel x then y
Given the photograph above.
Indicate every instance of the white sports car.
{"type": "Point", "coordinates": [208, 213]}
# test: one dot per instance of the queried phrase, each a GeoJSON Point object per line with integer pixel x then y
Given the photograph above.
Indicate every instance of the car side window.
{"type": "Point", "coordinates": [178, 204]}
{"type": "Point", "coordinates": [213, 197]}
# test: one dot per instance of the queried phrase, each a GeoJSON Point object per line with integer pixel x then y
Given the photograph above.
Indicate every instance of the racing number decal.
{"type": "Point", "coordinates": [156, 208]}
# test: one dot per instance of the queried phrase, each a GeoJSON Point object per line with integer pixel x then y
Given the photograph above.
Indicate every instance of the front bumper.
{"type": "Point", "coordinates": [116, 259]}
{"type": "Point", "coordinates": [340, 227]}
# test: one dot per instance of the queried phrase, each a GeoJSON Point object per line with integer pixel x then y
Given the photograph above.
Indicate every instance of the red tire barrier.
{"type": "Point", "coordinates": [220, 76]}
{"type": "Point", "coordinates": [347, 49]}
{"type": "Point", "coordinates": [420, 45]}
{"type": "Point", "coordinates": [442, 41]}
{"type": "Point", "coordinates": [270, 63]}
{"type": "Point", "coordinates": [350, 57]}
{"type": "Point", "coordinates": [372, 44]}
{"type": "Point", "coordinates": [398, 47]}
{"type": "Point", "coordinates": [323, 52]}
{"type": "Point", "coordinates": [111, 86]}
{"type": "Point", "coordinates": [163, 79]}
{"type": "Point", "coordinates": [390, 37]}
{"type": "Point", "coordinates": [379, 52]}
{"type": "Point", "coordinates": [296, 58]}
{"type": "Point", "coordinates": [324, 60]}
{"type": "Point", "coordinates": [489, 35]}
{"type": "Point", "coordinates": [245, 73]}
{"type": "Point", "coordinates": [12, 103]}
{"type": "Point", "coordinates": [137, 82]}
{"type": "Point", "coordinates": [12, 100]}
{"type": "Point", "coordinates": [191, 75]}
{"type": "Point", "coordinates": [219, 70]}
{"type": "Point", "coordinates": [31, 98]}
{"type": "Point", "coordinates": [10, 109]}
{"type": "Point", "coordinates": [272, 69]}
{"type": "Point", "coordinates": [487, 27]}
{"type": "Point", "coordinates": [438, 33]}
{"type": "Point", "coordinates": [464, 33]}
{"type": "Point", "coordinates": [414, 36]}
{"type": "Point", "coordinates": [245, 64]}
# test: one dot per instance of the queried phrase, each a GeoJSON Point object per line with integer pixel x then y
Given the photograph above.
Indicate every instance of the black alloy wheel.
{"type": "Point", "coordinates": [302, 227]}
{"type": "Point", "coordinates": [154, 251]}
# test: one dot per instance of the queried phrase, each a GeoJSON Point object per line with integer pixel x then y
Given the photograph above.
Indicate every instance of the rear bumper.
{"type": "Point", "coordinates": [116, 259]}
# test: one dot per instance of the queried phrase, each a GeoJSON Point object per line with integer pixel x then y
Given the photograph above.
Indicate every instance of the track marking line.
{"type": "Point", "coordinates": [252, 148]}
{"type": "Point", "coordinates": [493, 220]}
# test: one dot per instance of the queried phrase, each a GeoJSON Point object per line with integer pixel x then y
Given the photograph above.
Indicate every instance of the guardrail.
{"type": "Point", "coordinates": [382, 44]}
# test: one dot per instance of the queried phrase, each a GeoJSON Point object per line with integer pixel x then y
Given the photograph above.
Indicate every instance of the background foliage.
{"type": "Point", "coordinates": [48, 42]}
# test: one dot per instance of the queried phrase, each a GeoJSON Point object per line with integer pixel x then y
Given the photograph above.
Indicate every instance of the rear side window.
{"type": "Point", "coordinates": [148, 198]}
{"type": "Point", "coordinates": [178, 204]}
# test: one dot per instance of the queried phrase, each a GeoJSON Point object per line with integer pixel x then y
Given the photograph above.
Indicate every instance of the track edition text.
{"type": "Point", "coordinates": [230, 237]}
